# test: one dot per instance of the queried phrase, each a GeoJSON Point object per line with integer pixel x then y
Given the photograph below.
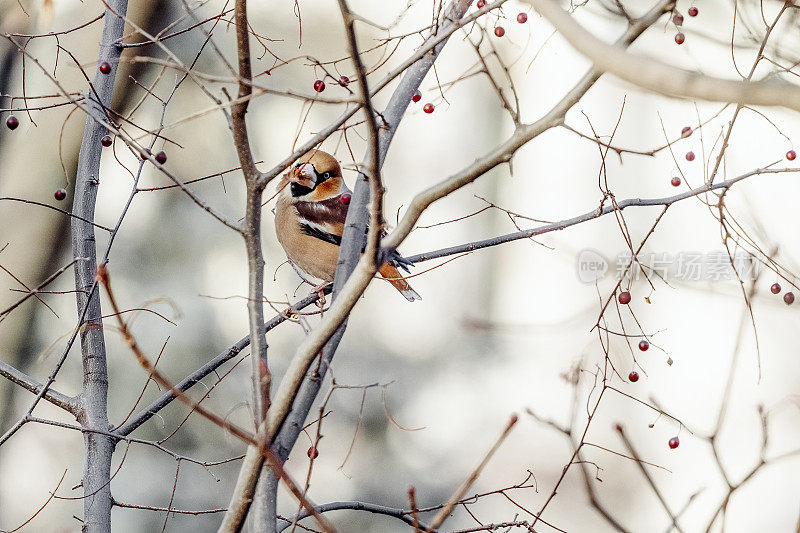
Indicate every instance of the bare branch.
{"type": "Point", "coordinates": [67, 403]}
{"type": "Point", "coordinates": [400, 514]}
{"type": "Point", "coordinates": [648, 477]}
{"type": "Point", "coordinates": [651, 74]}
{"type": "Point", "coordinates": [522, 135]}
{"type": "Point", "coordinates": [97, 475]}
{"type": "Point", "coordinates": [442, 515]}
{"type": "Point", "coordinates": [595, 213]}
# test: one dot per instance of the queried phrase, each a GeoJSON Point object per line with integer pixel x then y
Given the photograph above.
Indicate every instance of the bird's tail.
{"type": "Point", "coordinates": [391, 275]}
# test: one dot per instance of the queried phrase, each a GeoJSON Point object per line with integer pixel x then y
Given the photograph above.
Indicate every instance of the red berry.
{"type": "Point", "coordinates": [105, 67]}
{"type": "Point", "coordinates": [60, 194]}
{"type": "Point", "coordinates": [161, 157]}
{"type": "Point", "coordinates": [677, 19]}
{"type": "Point", "coordinates": [499, 31]}
{"type": "Point", "coordinates": [679, 38]}
{"type": "Point", "coordinates": [319, 86]}
{"type": "Point", "coordinates": [146, 153]}
{"type": "Point", "coordinates": [106, 140]}
{"type": "Point", "coordinates": [686, 132]}
{"type": "Point", "coordinates": [644, 345]}
{"type": "Point", "coordinates": [676, 181]}
{"type": "Point", "coordinates": [343, 81]}
{"type": "Point", "coordinates": [690, 156]}
{"type": "Point", "coordinates": [633, 377]}
{"type": "Point", "coordinates": [345, 198]}
{"type": "Point", "coordinates": [417, 97]}
{"type": "Point", "coordinates": [481, 4]}
{"type": "Point", "coordinates": [624, 298]}
{"type": "Point", "coordinates": [776, 288]}
{"type": "Point", "coordinates": [790, 155]}
{"type": "Point", "coordinates": [692, 11]}
{"type": "Point", "coordinates": [674, 442]}
{"type": "Point", "coordinates": [522, 18]}
{"type": "Point", "coordinates": [788, 298]}
{"type": "Point", "coordinates": [12, 122]}
{"type": "Point", "coordinates": [428, 108]}
{"type": "Point", "coordinates": [312, 453]}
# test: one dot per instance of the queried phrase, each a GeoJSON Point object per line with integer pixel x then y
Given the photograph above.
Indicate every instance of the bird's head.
{"type": "Point", "coordinates": [315, 176]}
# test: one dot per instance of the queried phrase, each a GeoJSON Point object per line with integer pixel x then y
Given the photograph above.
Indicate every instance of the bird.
{"type": "Point", "coordinates": [310, 212]}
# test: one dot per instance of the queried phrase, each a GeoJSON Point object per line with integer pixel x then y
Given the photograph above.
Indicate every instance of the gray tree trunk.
{"type": "Point", "coordinates": [99, 448]}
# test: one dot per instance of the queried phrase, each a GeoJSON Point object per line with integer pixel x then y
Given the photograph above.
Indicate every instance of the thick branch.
{"type": "Point", "coordinates": [99, 448]}
{"type": "Point", "coordinates": [240, 136]}
{"type": "Point", "coordinates": [371, 162]}
{"type": "Point", "coordinates": [653, 75]}
{"type": "Point", "coordinates": [260, 373]}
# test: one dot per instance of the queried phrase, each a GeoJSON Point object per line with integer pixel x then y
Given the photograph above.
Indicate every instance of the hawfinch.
{"type": "Point", "coordinates": [309, 220]}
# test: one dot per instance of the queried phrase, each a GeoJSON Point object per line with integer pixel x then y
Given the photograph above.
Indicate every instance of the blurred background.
{"type": "Point", "coordinates": [499, 331]}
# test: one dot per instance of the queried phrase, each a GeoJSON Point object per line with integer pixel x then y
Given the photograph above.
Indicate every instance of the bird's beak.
{"type": "Point", "coordinates": [304, 175]}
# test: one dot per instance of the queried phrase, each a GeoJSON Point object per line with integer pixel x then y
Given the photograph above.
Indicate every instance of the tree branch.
{"type": "Point", "coordinates": [448, 507]}
{"type": "Point", "coordinates": [347, 287]}
{"type": "Point", "coordinates": [407, 88]}
{"type": "Point", "coordinates": [99, 448]}
{"type": "Point", "coordinates": [595, 213]}
{"type": "Point", "coordinates": [231, 352]}
{"type": "Point", "coordinates": [260, 373]}
{"type": "Point", "coordinates": [67, 403]}
{"type": "Point", "coordinates": [649, 478]}
{"type": "Point", "coordinates": [400, 514]}
{"type": "Point", "coordinates": [522, 135]}
{"type": "Point", "coordinates": [653, 75]}
{"type": "Point", "coordinates": [189, 381]}
{"type": "Point", "coordinates": [413, 69]}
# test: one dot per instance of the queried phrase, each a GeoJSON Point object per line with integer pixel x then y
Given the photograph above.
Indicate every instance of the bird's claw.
{"type": "Point", "coordinates": [320, 290]}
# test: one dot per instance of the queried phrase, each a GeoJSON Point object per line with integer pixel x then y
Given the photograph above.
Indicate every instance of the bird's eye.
{"type": "Point", "coordinates": [326, 175]}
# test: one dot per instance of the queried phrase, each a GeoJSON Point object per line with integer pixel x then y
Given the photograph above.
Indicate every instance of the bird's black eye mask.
{"type": "Point", "coordinates": [301, 190]}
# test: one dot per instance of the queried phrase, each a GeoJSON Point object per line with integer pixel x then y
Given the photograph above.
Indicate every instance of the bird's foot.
{"type": "Point", "coordinates": [320, 290]}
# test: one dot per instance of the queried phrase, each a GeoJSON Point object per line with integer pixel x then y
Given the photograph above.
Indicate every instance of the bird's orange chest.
{"type": "Point", "coordinates": [312, 255]}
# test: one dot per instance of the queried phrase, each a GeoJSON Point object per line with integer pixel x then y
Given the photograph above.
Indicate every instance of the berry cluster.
{"type": "Point", "coordinates": [677, 19]}
{"type": "Point", "coordinates": [686, 131]}
{"type": "Point", "coordinates": [788, 298]}
{"type": "Point", "coordinates": [319, 85]}
{"type": "Point", "coordinates": [499, 31]}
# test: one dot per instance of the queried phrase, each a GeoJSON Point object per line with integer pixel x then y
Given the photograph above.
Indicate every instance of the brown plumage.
{"type": "Point", "coordinates": [309, 219]}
